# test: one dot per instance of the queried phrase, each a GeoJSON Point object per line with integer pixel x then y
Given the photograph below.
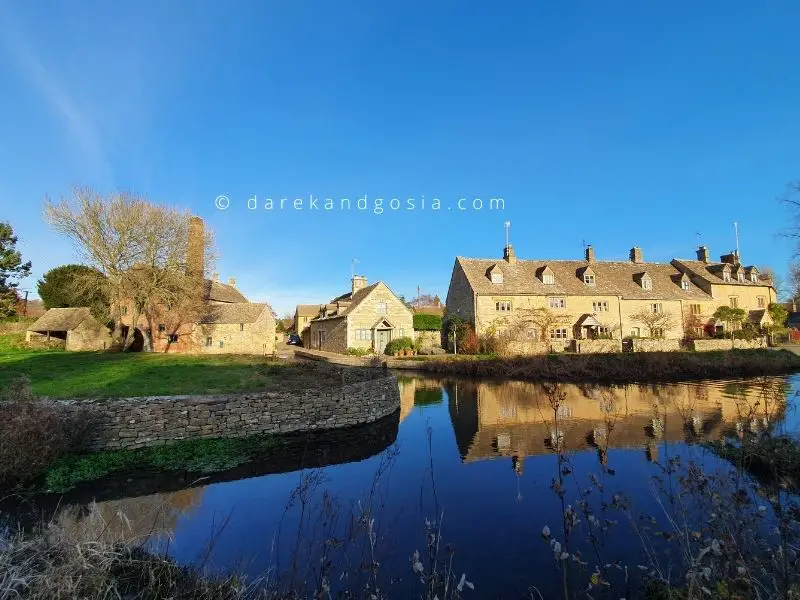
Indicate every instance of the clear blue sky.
{"type": "Point", "coordinates": [618, 123]}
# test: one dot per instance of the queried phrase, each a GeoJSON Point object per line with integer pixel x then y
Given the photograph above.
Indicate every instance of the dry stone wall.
{"type": "Point", "coordinates": [150, 421]}
{"type": "Point", "coordinates": [706, 345]}
{"type": "Point", "coordinates": [655, 345]}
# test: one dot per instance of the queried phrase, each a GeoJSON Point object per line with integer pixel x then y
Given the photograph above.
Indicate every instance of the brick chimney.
{"type": "Point", "coordinates": [637, 256]}
{"type": "Point", "coordinates": [359, 282]}
{"type": "Point", "coordinates": [232, 281]}
{"type": "Point", "coordinates": [703, 255]}
{"type": "Point", "coordinates": [508, 255]}
{"type": "Point", "coordinates": [730, 259]}
{"type": "Point", "coordinates": [589, 253]}
{"type": "Point", "coordinates": [195, 259]}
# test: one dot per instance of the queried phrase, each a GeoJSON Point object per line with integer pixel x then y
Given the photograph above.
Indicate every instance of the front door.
{"type": "Point", "coordinates": [382, 337]}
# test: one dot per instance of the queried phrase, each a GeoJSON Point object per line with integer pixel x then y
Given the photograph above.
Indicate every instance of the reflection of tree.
{"type": "Point", "coordinates": [130, 519]}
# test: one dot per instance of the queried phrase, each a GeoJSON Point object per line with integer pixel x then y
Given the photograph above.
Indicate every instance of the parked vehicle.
{"type": "Point", "coordinates": [294, 340]}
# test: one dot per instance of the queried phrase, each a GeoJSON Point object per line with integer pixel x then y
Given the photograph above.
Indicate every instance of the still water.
{"type": "Point", "coordinates": [478, 457]}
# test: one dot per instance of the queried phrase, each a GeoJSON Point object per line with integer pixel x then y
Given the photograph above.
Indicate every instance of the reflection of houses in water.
{"type": "Point", "coordinates": [517, 419]}
{"type": "Point", "coordinates": [418, 392]}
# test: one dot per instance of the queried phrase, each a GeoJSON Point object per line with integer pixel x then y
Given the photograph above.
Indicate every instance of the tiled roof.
{"type": "Point", "coordinates": [614, 278]}
{"type": "Point", "coordinates": [712, 272]}
{"type": "Point", "coordinates": [349, 302]}
{"type": "Point", "coordinates": [307, 310]}
{"type": "Point", "coordinates": [60, 319]}
{"type": "Point", "coordinates": [234, 312]}
{"type": "Point", "coordinates": [221, 292]}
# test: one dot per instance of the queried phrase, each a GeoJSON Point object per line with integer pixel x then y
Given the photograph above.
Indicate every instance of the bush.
{"type": "Point", "coordinates": [424, 322]}
{"type": "Point", "coordinates": [469, 342]}
{"type": "Point", "coordinates": [397, 345]}
{"type": "Point", "coordinates": [36, 434]}
{"type": "Point", "coordinates": [359, 351]}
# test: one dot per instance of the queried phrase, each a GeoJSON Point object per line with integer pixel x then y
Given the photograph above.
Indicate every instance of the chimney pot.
{"type": "Point", "coordinates": [590, 257]}
{"type": "Point", "coordinates": [637, 256]}
{"type": "Point", "coordinates": [732, 258]}
{"type": "Point", "coordinates": [508, 254]}
{"type": "Point", "coordinates": [703, 255]}
{"type": "Point", "coordinates": [358, 283]}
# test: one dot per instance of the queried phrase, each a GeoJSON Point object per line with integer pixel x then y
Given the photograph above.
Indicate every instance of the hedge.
{"type": "Point", "coordinates": [423, 322]}
{"type": "Point", "coordinates": [398, 344]}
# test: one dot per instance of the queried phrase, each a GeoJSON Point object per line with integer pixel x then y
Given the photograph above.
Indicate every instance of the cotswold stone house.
{"type": "Point", "coordinates": [227, 321]}
{"type": "Point", "coordinates": [368, 317]}
{"type": "Point", "coordinates": [302, 317]}
{"type": "Point", "coordinates": [595, 300]}
{"type": "Point", "coordinates": [76, 328]}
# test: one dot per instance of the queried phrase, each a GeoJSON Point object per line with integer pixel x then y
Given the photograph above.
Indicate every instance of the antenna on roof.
{"type": "Point", "coordinates": [736, 230]}
{"type": "Point", "coordinates": [507, 225]}
{"type": "Point", "coordinates": [353, 268]}
{"type": "Point", "coordinates": [697, 234]}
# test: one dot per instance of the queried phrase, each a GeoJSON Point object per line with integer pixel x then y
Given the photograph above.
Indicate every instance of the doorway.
{"type": "Point", "coordinates": [382, 337]}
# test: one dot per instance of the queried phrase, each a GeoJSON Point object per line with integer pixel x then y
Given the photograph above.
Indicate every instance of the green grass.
{"type": "Point", "coordinates": [104, 374]}
{"type": "Point", "coordinates": [196, 456]}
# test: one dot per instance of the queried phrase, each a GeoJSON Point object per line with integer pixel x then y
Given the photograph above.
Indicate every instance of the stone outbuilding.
{"type": "Point", "coordinates": [76, 328]}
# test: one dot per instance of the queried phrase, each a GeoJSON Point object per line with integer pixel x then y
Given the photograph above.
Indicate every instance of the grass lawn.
{"type": "Point", "coordinates": [61, 374]}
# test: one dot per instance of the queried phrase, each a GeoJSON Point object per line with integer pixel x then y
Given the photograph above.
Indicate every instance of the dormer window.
{"type": "Point", "coordinates": [754, 277]}
{"type": "Point", "coordinates": [741, 277]}
{"type": "Point", "coordinates": [726, 276]}
{"type": "Point", "coordinates": [546, 275]}
{"type": "Point", "coordinates": [588, 279]}
{"type": "Point", "coordinates": [644, 281]}
{"type": "Point", "coordinates": [685, 285]}
{"type": "Point", "coordinates": [497, 277]}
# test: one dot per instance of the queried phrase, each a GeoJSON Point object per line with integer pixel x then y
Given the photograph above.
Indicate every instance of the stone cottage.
{"type": "Point", "coordinates": [368, 317]}
{"type": "Point", "coordinates": [76, 328]}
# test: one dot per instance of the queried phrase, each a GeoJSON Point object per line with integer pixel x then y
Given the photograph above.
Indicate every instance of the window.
{"type": "Point", "coordinates": [320, 338]}
{"type": "Point", "coordinates": [695, 309]}
{"type": "Point", "coordinates": [558, 334]}
{"type": "Point", "coordinates": [221, 343]}
{"type": "Point", "coordinates": [497, 277]}
{"type": "Point", "coordinates": [209, 341]}
{"type": "Point", "coordinates": [647, 283]}
{"type": "Point", "coordinates": [600, 306]}
{"type": "Point", "coordinates": [754, 277]}
{"type": "Point", "coordinates": [123, 310]}
{"type": "Point", "coordinates": [603, 330]}
{"type": "Point", "coordinates": [657, 307]}
{"type": "Point", "coordinates": [364, 335]}
{"type": "Point", "coordinates": [503, 305]}
{"type": "Point", "coordinates": [588, 278]}
{"type": "Point", "coordinates": [173, 337]}
{"type": "Point", "coordinates": [548, 279]}
{"type": "Point", "coordinates": [557, 302]}
{"type": "Point", "coordinates": [734, 301]}
{"type": "Point", "coordinates": [532, 334]}
{"type": "Point", "coordinates": [741, 277]}
{"type": "Point", "coordinates": [241, 326]}
{"type": "Point", "coordinates": [685, 285]}
{"type": "Point", "coordinates": [380, 308]}
{"type": "Point", "coordinates": [762, 302]}
{"type": "Point", "coordinates": [726, 276]}
{"type": "Point", "coordinates": [402, 332]}
{"type": "Point", "coordinates": [508, 412]}
{"type": "Point", "coordinates": [658, 332]}
{"type": "Point", "coordinates": [635, 332]}
{"type": "Point", "coordinates": [564, 411]}
{"type": "Point", "coordinates": [161, 328]}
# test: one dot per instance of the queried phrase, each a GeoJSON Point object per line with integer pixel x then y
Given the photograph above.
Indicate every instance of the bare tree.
{"type": "Point", "coordinates": [767, 273]}
{"type": "Point", "coordinates": [543, 320]}
{"type": "Point", "coordinates": [791, 199]}
{"type": "Point", "coordinates": [141, 251]}
{"type": "Point", "coordinates": [656, 322]}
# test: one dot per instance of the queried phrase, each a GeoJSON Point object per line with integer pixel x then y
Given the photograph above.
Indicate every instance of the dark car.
{"type": "Point", "coordinates": [294, 340]}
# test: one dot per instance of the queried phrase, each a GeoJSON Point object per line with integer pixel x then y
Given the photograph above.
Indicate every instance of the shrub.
{"type": "Point", "coordinates": [469, 343]}
{"type": "Point", "coordinates": [423, 322]}
{"type": "Point", "coordinates": [359, 351]}
{"type": "Point", "coordinates": [36, 434]}
{"type": "Point", "coordinates": [399, 344]}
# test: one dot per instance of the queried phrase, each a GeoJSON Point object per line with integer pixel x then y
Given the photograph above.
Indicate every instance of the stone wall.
{"type": "Point", "coordinates": [150, 421]}
{"type": "Point", "coordinates": [706, 345]}
{"type": "Point", "coordinates": [597, 346]}
{"type": "Point", "coordinates": [649, 345]}
{"type": "Point", "coordinates": [428, 339]}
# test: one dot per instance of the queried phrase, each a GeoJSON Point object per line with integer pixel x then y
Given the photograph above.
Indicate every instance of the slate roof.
{"type": "Point", "coordinates": [712, 272]}
{"type": "Point", "coordinates": [307, 310]}
{"type": "Point", "coordinates": [612, 278]}
{"type": "Point", "coordinates": [60, 319]}
{"type": "Point", "coordinates": [221, 292]}
{"type": "Point", "coordinates": [234, 312]}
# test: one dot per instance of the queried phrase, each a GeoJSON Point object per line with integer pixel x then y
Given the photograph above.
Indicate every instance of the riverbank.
{"type": "Point", "coordinates": [637, 367]}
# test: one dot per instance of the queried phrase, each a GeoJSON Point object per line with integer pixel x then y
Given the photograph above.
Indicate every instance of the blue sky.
{"type": "Point", "coordinates": [617, 123]}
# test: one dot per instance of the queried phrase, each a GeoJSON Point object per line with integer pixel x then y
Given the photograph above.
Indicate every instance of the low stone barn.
{"type": "Point", "coordinates": [76, 328]}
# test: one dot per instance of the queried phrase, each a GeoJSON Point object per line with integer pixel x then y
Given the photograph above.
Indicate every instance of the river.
{"type": "Point", "coordinates": [478, 461]}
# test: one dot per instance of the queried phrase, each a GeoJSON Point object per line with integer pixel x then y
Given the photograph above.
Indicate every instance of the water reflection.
{"type": "Point", "coordinates": [517, 419]}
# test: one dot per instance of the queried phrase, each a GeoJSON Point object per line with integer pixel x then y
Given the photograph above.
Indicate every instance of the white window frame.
{"type": "Point", "coordinates": [685, 285]}
{"type": "Point", "coordinates": [733, 301]}
{"type": "Point", "coordinates": [726, 277]}
{"type": "Point", "coordinates": [381, 308]}
{"type": "Point", "coordinates": [657, 307]}
{"type": "Point", "coordinates": [588, 279]}
{"type": "Point", "coordinates": [600, 306]}
{"type": "Point", "coordinates": [497, 278]}
{"type": "Point", "coordinates": [559, 333]}
{"type": "Point", "coordinates": [647, 283]}
{"type": "Point", "coordinates": [762, 301]}
{"type": "Point", "coordinates": [503, 306]}
{"type": "Point", "coordinates": [557, 302]}
{"type": "Point", "coordinates": [548, 278]}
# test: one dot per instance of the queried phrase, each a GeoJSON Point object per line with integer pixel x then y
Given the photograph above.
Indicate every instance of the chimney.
{"type": "Point", "coordinates": [195, 250]}
{"type": "Point", "coordinates": [589, 252]}
{"type": "Point", "coordinates": [703, 255]}
{"type": "Point", "coordinates": [508, 255]}
{"type": "Point", "coordinates": [359, 282]}
{"type": "Point", "coordinates": [730, 259]}
{"type": "Point", "coordinates": [232, 281]}
{"type": "Point", "coordinates": [637, 256]}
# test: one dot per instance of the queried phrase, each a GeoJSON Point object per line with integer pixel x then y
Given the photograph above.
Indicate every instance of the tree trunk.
{"type": "Point", "coordinates": [130, 335]}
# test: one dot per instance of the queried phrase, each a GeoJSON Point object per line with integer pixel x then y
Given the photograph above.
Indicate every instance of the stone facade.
{"type": "Point", "coordinates": [706, 345]}
{"type": "Point", "coordinates": [428, 339]}
{"type": "Point", "coordinates": [151, 421]}
{"type": "Point", "coordinates": [368, 318]}
{"type": "Point", "coordinates": [74, 328]}
{"type": "Point", "coordinates": [596, 346]}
